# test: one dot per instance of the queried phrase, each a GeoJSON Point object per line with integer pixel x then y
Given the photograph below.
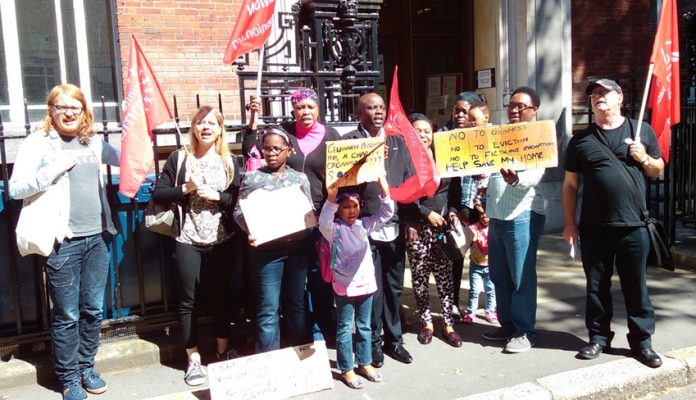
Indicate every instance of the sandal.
{"type": "Point", "coordinates": [372, 376]}
{"type": "Point", "coordinates": [354, 383]}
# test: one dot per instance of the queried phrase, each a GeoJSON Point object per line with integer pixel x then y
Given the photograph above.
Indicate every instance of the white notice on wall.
{"type": "Point", "coordinates": [279, 374]}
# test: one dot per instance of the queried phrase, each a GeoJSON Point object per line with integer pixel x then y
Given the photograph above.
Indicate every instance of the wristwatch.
{"type": "Point", "coordinates": [646, 162]}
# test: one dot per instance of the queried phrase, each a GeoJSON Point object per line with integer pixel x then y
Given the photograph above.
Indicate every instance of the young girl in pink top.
{"type": "Point", "coordinates": [353, 279]}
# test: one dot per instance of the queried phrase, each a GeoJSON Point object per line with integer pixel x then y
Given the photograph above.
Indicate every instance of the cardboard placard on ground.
{"type": "Point", "coordinates": [278, 374]}
{"type": "Point", "coordinates": [486, 149]}
{"type": "Point", "coordinates": [271, 214]}
{"type": "Point", "coordinates": [350, 162]}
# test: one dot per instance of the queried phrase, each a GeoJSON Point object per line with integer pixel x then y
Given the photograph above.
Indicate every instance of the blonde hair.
{"type": "Point", "coordinates": [86, 129]}
{"type": "Point", "coordinates": [220, 143]}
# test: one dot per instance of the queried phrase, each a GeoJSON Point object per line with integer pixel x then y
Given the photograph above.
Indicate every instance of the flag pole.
{"type": "Point", "coordinates": [644, 101]}
{"type": "Point", "coordinates": [258, 74]}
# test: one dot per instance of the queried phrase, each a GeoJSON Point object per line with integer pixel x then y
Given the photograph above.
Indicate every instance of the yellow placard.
{"type": "Point", "coordinates": [486, 149]}
{"type": "Point", "coordinates": [350, 162]}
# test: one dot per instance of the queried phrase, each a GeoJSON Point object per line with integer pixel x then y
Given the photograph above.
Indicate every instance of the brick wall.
{"type": "Point", "coordinates": [184, 41]}
{"type": "Point", "coordinates": [610, 38]}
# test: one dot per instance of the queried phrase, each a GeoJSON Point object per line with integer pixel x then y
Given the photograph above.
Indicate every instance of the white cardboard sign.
{"type": "Point", "coordinates": [278, 374]}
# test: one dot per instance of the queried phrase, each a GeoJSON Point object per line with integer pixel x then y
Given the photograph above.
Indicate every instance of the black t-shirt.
{"type": "Point", "coordinates": [608, 199]}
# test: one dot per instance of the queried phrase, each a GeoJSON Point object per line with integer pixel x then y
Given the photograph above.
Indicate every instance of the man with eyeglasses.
{"type": "Point", "coordinates": [611, 227]}
{"type": "Point", "coordinates": [66, 157]}
{"type": "Point", "coordinates": [387, 243]}
{"type": "Point", "coordinates": [515, 210]}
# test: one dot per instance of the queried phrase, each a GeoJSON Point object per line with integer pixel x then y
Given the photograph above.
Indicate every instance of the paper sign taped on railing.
{"type": "Point", "coordinates": [279, 374]}
{"type": "Point", "coordinates": [486, 149]}
{"type": "Point", "coordinates": [350, 162]}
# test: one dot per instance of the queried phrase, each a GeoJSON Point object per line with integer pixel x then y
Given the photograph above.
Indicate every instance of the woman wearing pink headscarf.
{"type": "Point", "coordinates": [308, 138]}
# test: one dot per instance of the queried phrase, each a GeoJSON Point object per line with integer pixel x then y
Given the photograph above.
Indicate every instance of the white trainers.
{"type": "Point", "coordinates": [519, 343]}
{"type": "Point", "coordinates": [194, 374]}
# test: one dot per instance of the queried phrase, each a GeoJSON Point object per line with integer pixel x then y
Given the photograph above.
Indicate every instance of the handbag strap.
{"type": "Point", "coordinates": [334, 246]}
{"type": "Point", "coordinates": [179, 162]}
{"type": "Point", "coordinates": [624, 170]}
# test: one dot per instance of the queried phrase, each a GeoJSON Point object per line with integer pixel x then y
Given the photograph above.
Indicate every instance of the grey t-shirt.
{"type": "Point", "coordinates": [86, 215]}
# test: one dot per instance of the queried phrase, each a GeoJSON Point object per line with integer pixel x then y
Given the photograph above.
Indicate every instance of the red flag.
{"type": "Point", "coordinates": [664, 93]}
{"type": "Point", "coordinates": [427, 178]}
{"type": "Point", "coordinates": [251, 30]}
{"type": "Point", "coordinates": [144, 107]}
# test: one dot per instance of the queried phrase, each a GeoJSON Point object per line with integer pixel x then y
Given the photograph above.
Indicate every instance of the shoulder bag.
{"type": "Point", "coordinates": [159, 218]}
{"type": "Point", "coordinates": [660, 254]}
{"type": "Point", "coordinates": [35, 231]}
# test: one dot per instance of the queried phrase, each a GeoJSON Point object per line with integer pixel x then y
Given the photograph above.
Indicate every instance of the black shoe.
{"type": "Point", "coordinates": [648, 357]}
{"type": "Point", "coordinates": [591, 351]}
{"type": "Point", "coordinates": [399, 353]}
{"type": "Point", "coordinates": [377, 358]}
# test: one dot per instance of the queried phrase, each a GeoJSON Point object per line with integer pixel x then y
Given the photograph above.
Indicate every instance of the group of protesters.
{"type": "Point", "coordinates": [501, 214]}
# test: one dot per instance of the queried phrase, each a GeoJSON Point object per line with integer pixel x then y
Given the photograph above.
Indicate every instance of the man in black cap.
{"type": "Point", "coordinates": [611, 225]}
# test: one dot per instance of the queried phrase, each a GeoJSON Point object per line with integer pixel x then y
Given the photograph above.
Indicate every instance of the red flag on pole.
{"type": "Point", "coordinates": [144, 107]}
{"type": "Point", "coordinates": [251, 30]}
{"type": "Point", "coordinates": [664, 96]}
{"type": "Point", "coordinates": [427, 179]}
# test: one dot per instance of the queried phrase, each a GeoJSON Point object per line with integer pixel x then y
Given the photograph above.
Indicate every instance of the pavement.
{"type": "Point", "coordinates": [152, 367]}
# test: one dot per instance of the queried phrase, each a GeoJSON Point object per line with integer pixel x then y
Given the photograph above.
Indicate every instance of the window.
{"type": "Point", "coordinates": [51, 42]}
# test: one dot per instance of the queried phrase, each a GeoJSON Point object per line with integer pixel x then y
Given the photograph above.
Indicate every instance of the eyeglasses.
{"type": "Point", "coordinates": [519, 107]}
{"type": "Point", "coordinates": [61, 109]}
{"type": "Point", "coordinates": [458, 110]}
{"type": "Point", "coordinates": [273, 150]}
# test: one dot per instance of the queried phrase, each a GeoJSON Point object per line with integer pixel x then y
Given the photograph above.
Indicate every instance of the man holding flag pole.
{"type": "Point", "coordinates": [612, 225]}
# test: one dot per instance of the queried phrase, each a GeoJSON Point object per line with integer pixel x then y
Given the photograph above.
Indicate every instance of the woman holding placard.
{"type": "Point", "coordinates": [424, 252]}
{"type": "Point", "coordinates": [279, 265]}
{"type": "Point", "coordinates": [204, 184]}
{"type": "Point", "coordinates": [307, 137]}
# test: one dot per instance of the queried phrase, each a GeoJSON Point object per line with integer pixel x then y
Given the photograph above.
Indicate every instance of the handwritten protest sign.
{"type": "Point", "coordinates": [486, 149]}
{"type": "Point", "coordinates": [267, 220]}
{"type": "Point", "coordinates": [354, 161]}
{"type": "Point", "coordinates": [276, 374]}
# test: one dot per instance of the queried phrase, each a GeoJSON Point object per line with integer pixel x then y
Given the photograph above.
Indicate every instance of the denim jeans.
{"type": "Point", "coordinates": [512, 248]}
{"type": "Point", "coordinates": [281, 269]}
{"type": "Point", "coordinates": [480, 279]}
{"type": "Point", "coordinates": [76, 271]}
{"type": "Point", "coordinates": [627, 249]}
{"type": "Point", "coordinates": [353, 309]}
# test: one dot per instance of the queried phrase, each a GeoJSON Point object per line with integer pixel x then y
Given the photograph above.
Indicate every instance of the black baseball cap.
{"type": "Point", "coordinates": [605, 83]}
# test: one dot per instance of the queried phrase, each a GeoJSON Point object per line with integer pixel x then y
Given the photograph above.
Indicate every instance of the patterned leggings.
{"type": "Point", "coordinates": [426, 256]}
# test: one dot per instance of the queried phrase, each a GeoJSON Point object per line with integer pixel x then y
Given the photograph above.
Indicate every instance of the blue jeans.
{"type": "Point", "coordinates": [280, 269]}
{"type": "Point", "coordinates": [76, 271]}
{"type": "Point", "coordinates": [512, 248]}
{"type": "Point", "coordinates": [349, 309]}
{"type": "Point", "coordinates": [480, 279]}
